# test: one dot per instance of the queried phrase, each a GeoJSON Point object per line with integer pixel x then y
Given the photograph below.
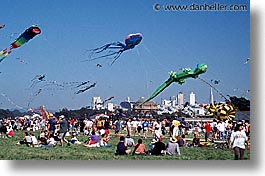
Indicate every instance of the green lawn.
{"type": "Point", "coordinates": [10, 151]}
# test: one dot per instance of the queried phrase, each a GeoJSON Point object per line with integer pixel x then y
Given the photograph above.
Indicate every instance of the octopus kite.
{"type": "Point", "coordinates": [117, 48]}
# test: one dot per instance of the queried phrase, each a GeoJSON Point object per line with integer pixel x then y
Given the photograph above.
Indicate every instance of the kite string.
{"type": "Point", "coordinates": [221, 94]}
{"type": "Point", "coordinates": [213, 88]}
{"type": "Point", "coordinates": [10, 101]}
{"type": "Point", "coordinates": [150, 71]}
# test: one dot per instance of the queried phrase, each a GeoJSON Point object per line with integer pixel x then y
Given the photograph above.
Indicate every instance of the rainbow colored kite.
{"type": "Point", "coordinates": [27, 35]}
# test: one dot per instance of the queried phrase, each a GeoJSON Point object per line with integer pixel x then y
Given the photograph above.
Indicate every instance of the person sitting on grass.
{"type": "Point", "coordinates": [129, 141]}
{"type": "Point", "coordinates": [10, 132]}
{"type": "Point", "coordinates": [104, 141]}
{"type": "Point", "coordinates": [172, 147]}
{"type": "Point", "coordinates": [26, 140]}
{"type": "Point", "coordinates": [34, 140]}
{"type": "Point", "coordinates": [74, 140]}
{"type": "Point", "coordinates": [159, 147]}
{"type": "Point", "coordinates": [92, 140]}
{"type": "Point", "coordinates": [122, 148]}
{"type": "Point", "coordinates": [50, 142]}
{"type": "Point", "coordinates": [196, 141]}
{"type": "Point", "coordinates": [181, 141]}
{"type": "Point", "coordinates": [139, 148]}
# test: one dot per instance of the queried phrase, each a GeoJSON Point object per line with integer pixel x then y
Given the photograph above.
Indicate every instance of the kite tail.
{"type": "Point", "coordinates": [4, 54]}
{"type": "Point", "coordinates": [102, 48]}
{"type": "Point", "coordinates": [116, 57]}
{"type": "Point", "coordinates": [117, 54]}
{"type": "Point", "coordinates": [158, 90]}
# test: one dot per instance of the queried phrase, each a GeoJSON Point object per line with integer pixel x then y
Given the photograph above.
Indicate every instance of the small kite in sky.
{"type": "Point", "coordinates": [178, 77]}
{"type": "Point", "coordinates": [215, 81]}
{"type": "Point", "coordinates": [37, 79]}
{"type": "Point", "coordinates": [107, 99]}
{"type": "Point", "coordinates": [82, 84]}
{"type": "Point", "coordinates": [27, 35]}
{"type": "Point", "coordinates": [117, 48]}
{"type": "Point", "coordinates": [2, 26]}
{"type": "Point", "coordinates": [85, 89]}
{"type": "Point", "coordinates": [247, 61]}
{"type": "Point", "coordinates": [99, 65]}
{"type": "Point", "coordinates": [20, 60]}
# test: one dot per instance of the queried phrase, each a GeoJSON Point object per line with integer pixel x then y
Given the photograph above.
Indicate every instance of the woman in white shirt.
{"type": "Point", "coordinates": [238, 141]}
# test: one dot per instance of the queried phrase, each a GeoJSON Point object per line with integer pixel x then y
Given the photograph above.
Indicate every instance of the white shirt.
{"type": "Point", "coordinates": [238, 139]}
{"type": "Point", "coordinates": [134, 123]}
{"type": "Point", "coordinates": [51, 141]}
{"type": "Point", "coordinates": [129, 124]}
{"type": "Point", "coordinates": [89, 123]}
{"type": "Point", "coordinates": [34, 140]}
{"type": "Point", "coordinates": [221, 127]}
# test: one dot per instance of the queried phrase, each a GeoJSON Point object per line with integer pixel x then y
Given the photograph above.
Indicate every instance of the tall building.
{"type": "Point", "coordinates": [96, 103]}
{"type": "Point", "coordinates": [110, 107]}
{"type": "Point", "coordinates": [192, 98]}
{"type": "Point", "coordinates": [173, 100]}
{"type": "Point", "coordinates": [211, 96]}
{"type": "Point", "coordinates": [180, 98]}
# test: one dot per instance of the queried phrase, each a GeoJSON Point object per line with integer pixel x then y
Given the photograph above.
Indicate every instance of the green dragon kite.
{"type": "Point", "coordinates": [178, 77]}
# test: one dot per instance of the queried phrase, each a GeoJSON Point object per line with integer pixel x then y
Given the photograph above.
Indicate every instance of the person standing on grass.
{"type": "Point", "coordinates": [129, 127]}
{"type": "Point", "coordinates": [175, 126]}
{"type": "Point", "coordinates": [117, 124]}
{"type": "Point", "coordinates": [139, 127]}
{"type": "Point", "coordinates": [51, 125]}
{"type": "Point", "coordinates": [238, 140]}
{"type": "Point", "coordinates": [63, 129]}
{"type": "Point", "coordinates": [208, 130]}
{"type": "Point", "coordinates": [145, 128]}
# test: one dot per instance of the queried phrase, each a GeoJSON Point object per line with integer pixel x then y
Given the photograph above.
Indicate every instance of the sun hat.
{"type": "Point", "coordinates": [172, 140]}
{"type": "Point", "coordinates": [153, 141]}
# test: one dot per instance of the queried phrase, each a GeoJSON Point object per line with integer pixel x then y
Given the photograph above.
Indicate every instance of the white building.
{"type": "Point", "coordinates": [180, 98]}
{"type": "Point", "coordinates": [211, 96]}
{"type": "Point", "coordinates": [192, 99]}
{"type": "Point", "coordinates": [110, 107]}
{"type": "Point", "coordinates": [166, 102]}
{"type": "Point", "coordinates": [96, 103]}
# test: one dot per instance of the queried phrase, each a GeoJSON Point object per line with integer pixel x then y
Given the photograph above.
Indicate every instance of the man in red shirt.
{"type": "Point", "coordinates": [208, 130]}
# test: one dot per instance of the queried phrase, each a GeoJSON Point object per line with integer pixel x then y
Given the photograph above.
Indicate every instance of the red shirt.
{"type": "Point", "coordinates": [208, 127]}
{"type": "Point", "coordinates": [106, 132]}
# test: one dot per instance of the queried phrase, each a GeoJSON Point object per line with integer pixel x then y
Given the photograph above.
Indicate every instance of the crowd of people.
{"type": "Point", "coordinates": [53, 131]}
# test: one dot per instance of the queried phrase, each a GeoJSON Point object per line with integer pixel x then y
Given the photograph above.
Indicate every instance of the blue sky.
{"type": "Point", "coordinates": [171, 40]}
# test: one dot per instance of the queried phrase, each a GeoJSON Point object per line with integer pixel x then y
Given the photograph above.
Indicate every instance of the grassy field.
{"type": "Point", "coordinates": [10, 151]}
